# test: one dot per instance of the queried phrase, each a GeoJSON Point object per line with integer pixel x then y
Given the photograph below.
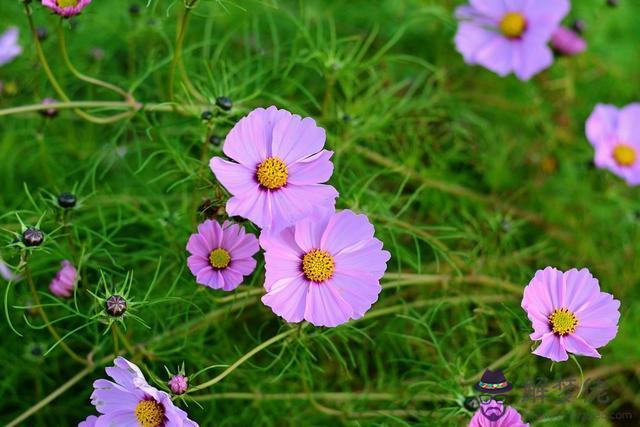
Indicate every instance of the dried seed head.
{"type": "Point", "coordinates": [32, 237]}
{"type": "Point", "coordinates": [67, 200]}
{"type": "Point", "coordinates": [116, 305]}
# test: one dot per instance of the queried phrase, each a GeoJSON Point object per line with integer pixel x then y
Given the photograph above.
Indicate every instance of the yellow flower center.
{"type": "Point", "coordinates": [513, 25]}
{"type": "Point", "coordinates": [318, 265]}
{"type": "Point", "coordinates": [624, 155]}
{"type": "Point", "coordinates": [272, 173]}
{"type": "Point", "coordinates": [149, 413]}
{"type": "Point", "coordinates": [219, 258]}
{"type": "Point", "coordinates": [562, 321]}
{"type": "Point", "coordinates": [67, 3]}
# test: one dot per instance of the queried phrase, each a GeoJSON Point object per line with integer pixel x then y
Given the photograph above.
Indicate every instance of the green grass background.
{"type": "Point", "coordinates": [472, 181]}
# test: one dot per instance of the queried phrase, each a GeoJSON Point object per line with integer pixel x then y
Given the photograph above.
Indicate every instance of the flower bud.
{"type": "Point", "coordinates": [32, 237]}
{"type": "Point", "coordinates": [613, 3]}
{"type": "Point", "coordinates": [224, 103]}
{"type": "Point", "coordinates": [134, 10]}
{"type": "Point", "coordinates": [206, 115]}
{"type": "Point", "coordinates": [471, 403]}
{"type": "Point", "coordinates": [178, 384]}
{"type": "Point", "coordinates": [49, 112]}
{"type": "Point", "coordinates": [42, 33]}
{"type": "Point", "coordinates": [116, 305]}
{"type": "Point", "coordinates": [215, 140]}
{"type": "Point", "coordinates": [67, 200]}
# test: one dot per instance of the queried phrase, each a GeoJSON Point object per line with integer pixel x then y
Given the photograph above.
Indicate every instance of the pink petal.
{"type": "Point", "coordinates": [492, 8]}
{"type": "Point", "coordinates": [551, 348]}
{"type": "Point", "coordinates": [346, 230]}
{"type": "Point", "coordinates": [236, 178]}
{"type": "Point", "coordinates": [629, 124]}
{"type": "Point", "coordinates": [597, 336]}
{"type": "Point", "coordinates": [471, 38]}
{"type": "Point", "coordinates": [197, 245]}
{"type": "Point", "coordinates": [497, 55]}
{"type": "Point", "coordinates": [296, 202]}
{"type": "Point", "coordinates": [580, 287]}
{"type": "Point", "coordinates": [359, 291]}
{"type": "Point", "coordinates": [244, 266]}
{"type": "Point", "coordinates": [530, 58]}
{"type": "Point", "coordinates": [253, 205]}
{"type": "Point", "coordinates": [576, 345]}
{"type": "Point", "coordinates": [602, 124]}
{"type": "Point", "coordinates": [232, 279]}
{"type": "Point", "coordinates": [249, 140]}
{"type": "Point", "coordinates": [369, 258]}
{"type": "Point", "coordinates": [325, 307]}
{"type": "Point", "coordinates": [312, 170]}
{"type": "Point", "coordinates": [287, 298]}
{"type": "Point", "coordinates": [295, 138]}
{"type": "Point", "coordinates": [308, 232]}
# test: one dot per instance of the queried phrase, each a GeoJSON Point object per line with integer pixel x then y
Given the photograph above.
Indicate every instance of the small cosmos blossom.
{"type": "Point", "coordinates": [221, 255]}
{"type": "Point", "coordinates": [567, 42]}
{"type": "Point", "coordinates": [131, 401]}
{"type": "Point", "coordinates": [569, 313]}
{"type": "Point", "coordinates": [66, 8]}
{"type": "Point", "coordinates": [278, 169]}
{"type": "Point", "coordinates": [509, 36]}
{"type": "Point", "coordinates": [65, 281]}
{"type": "Point", "coordinates": [49, 112]}
{"type": "Point", "coordinates": [615, 135]}
{"type": "Point", "coordinates": [324, 269]}
{"type": "Point", "coordinates": [9, 47]}
{"type": "Point", "coordinates": [511, 418]}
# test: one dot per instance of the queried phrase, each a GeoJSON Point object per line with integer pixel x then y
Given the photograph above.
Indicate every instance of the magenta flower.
{"type": "Point", "coordinates": [221, 255]}
{"type": "Point", "coordinates": [615, 135]}
{"type": "Point", "coordinates": [324, 269]}
{"type": "Point", "coordinates": [66, 8]}
{"type": "Point", "coordinates": [569, 313]}
{"type": "Point", "coordinates": [131, 401]}
{"type": "Point", "coordinates": [280, 170]}
{"type": "Point", "coordinates": [9, 47]}
{"type": "Point", "coordinates": [65, 281]}
{"type": "Point", "coordinates": [509, 36]}
{"type": "Point", "coordinates": [511, 418]}
{"type": "Point", "coordinates": [567, 42]}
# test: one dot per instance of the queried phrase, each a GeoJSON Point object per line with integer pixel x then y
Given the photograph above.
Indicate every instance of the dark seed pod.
{"type": "Point", "coordinates": [613, 3]}
{"type": "Point", "coordinates": [206, 115]}
{"type": "Point", "coordinates": [116, 305]}
{"type": "Point", "coordinates": [215, 140]}
{"type": "Point", "coordinates": [471, 403]}
{"type": "Point", "coordinates": [32, 237]}
{"type": "Point", "coordinates": [579, 26]}
{"type": "Point", "coordinates": [347, 118]}
{"type": "Point", "coordinates": [134, 10]}
{"type": "Point", "coordinates": [67, 200]}
{"type": "Point", "coordinates": [42, 33]}
{"type": "Point", "coordinates": [224, 103]}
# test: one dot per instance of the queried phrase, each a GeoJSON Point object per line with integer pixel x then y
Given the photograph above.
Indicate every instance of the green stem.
{"type": "Point", "coordinates": [243, 359]}
{"type": "Point", "coordinates": [45, 318]}
{"type": "Point", "coordinates": [581, 376]}
{"type": "Point", "coordinates": [83, 77]}
{"type": "Point", "coordinates": [176, 61]}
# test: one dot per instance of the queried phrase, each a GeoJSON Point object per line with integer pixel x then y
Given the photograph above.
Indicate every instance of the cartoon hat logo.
{"type": "Point", "coordinates": [494, 388]}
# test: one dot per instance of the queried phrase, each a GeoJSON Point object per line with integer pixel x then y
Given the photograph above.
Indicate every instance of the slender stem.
{"type": "Point", "coordinates": [52, 396]}
{"type": "Point", "coordinates": [575, 359]}
{"type": "Point", "coordinates": [163, 107]}
{"type": "Point", "coordinates": [54, 81]}
{"type": "Point", "coordinates": [114, 335]}
{"type": "Point", "coordinates": [243, 359]}
{"type": "Point", "coordinates": [45, 318]}
{"type": "Point", "coordinates": [176, 61]}
{"type": "Point", "coordinates": [333, 396]}
{"type": "Point", "coordinates": [79, 75]}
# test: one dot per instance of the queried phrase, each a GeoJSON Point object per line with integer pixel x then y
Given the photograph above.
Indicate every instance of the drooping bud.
{"type": "Point", "coordinates": [32, 237]}
{"type": "Point", "coordinates": [116, 305]}
{"type": "Point", "coordinates": [178, 384]}
{"type": "Point", "coordinates": [67, 200]}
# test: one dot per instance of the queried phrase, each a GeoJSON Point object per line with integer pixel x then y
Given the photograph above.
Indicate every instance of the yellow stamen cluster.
{"type": "Point", "coordinates": [318, 265]}
{"type": "Point", "coordinates": [624, 155]}
{"type": "Point", "coordinates": [272, 173]}
{"type": "Point", "coordinates": [149, 413]}
{"type": "Point", "coordinates": [563, 322]}
{"type": "Point", "coordinates": [219, 258]}
{"type": "Point", "coordinates": [513, 25]}
{"type": "Point", "coordinates": [67, 3]}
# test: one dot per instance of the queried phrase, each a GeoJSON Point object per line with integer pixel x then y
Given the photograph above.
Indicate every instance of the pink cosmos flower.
{"type": "Point", "coordinates": [65, 281]}
{"type": "Point", "coordinates": [509, 36]}
{"type": "Point", "coordinates": [9, 47]}
{"type": "Point", "coordinates": [66, 8]}
{"type": "Point", "coordinates": [324, 269]}
{"type": "Point", "coordinates": [280, 170]}
{"type": "Point", "coordinates": [615, 135]}
{"type": "Point", "coordinates": [567, 42]}
{"type": "Point", "coordinates": [178, 384]}
{"type": "Point", "coordinates": [221, 255]}
{"type": "Point", "coordinates": [569, 313]}
{"type": "Point", "coordinates": [131, 401]}
{"type": "Point", "coordinates": [511, 418]}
